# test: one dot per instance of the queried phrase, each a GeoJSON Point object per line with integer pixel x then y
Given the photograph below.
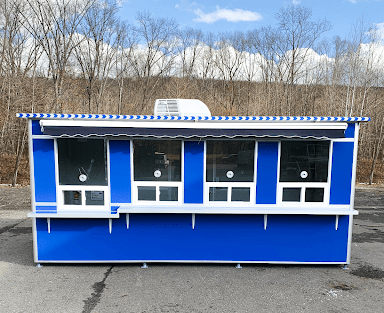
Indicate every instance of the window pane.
{"type": "Point", "coordinates": [94, 197]}
{"type": "Point", "coordinates": [240, 194]}
{"type": "Point", "coordinates": [168, 194]}
{"type": "Point", "coordinates": [157, 160]}
{"type": "Point", "coordinates": [230, 160]}
{"type": "Point", "coordinates": [82, 162]}
{"type": "Point", "coordinates": [72, 197]}
{"type": "Point", "coordinates": [314, 194]}
{"type": "Point", "coordinates": [291, 194]}
{"type": "Point", "coordinates": [147, 193]}
{"type": "Point", "coordinates": [218, 193]}
{"type": "Point", "coordinates": [304, 161]}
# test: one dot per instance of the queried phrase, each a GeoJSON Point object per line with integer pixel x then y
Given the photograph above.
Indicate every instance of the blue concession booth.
{"type": "Point", "coordinates": [179, 187]}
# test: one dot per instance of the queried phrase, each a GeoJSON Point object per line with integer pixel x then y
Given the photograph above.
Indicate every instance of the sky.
{"type": "Point", "coordinates": [232, 15]}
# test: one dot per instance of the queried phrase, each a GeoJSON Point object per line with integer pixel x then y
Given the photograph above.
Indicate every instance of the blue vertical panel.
{"type": "Point", "coordinates": [350, 131]}
{"type": "Point", "coordinates": [267, 160]}
{"type": "Point", "coordinates": [36, 129]}
{"type": "Point", "coordinates": [120, 171]}
{"type": "Point", "coordinates": [193, 171]}
{"type": "Point", "coordinates": [341, 174]}
{"type": "Point", "coordinates": [44, 170]}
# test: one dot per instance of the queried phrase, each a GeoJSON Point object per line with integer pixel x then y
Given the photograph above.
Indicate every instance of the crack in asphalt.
{"type": "Point", "coordinates": [98, 288]}
{"type": "Point", "coordinates": [7, 228]}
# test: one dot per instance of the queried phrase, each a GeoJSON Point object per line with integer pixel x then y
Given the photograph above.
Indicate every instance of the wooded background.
{"type": "Point", "coordinates": [77, 56]}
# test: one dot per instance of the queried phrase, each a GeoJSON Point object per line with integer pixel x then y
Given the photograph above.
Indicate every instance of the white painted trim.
{"type": "Point", "coordinates": [189, 125]}
{"type": "Point", "coordinates": [343, 139]}
{"type": "Point", "coordinates": [46, 203]}
{"type": "Point", "coordinates": [34, 235]}
{"type": "Point", "coordinates": [108, 175]}
{"type": "Point", "coordinates": [187, 261]}
{"type": "Point", "coordinates": [255, 157]}
{"type": "Point", "coordinates": [201, 209]}
{"type": "Point", "coordinates": [31, 166]}
{"type": "Point", "coordinates": [42, 137]}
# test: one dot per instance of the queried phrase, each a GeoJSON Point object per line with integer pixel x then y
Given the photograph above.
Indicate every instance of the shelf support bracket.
{"type": "Point", "coordinates": [127, 219]}
{"type": "Point", "coordinates": [337, 222]}
{"type": "Point", "coordinates": [265, 221]}
{"type": "Point", "coordinates": [49, 225]}
{"type": "Point", "coordinates": [110, 225]}
{"type": "Point", "coordinates": [193, 220]}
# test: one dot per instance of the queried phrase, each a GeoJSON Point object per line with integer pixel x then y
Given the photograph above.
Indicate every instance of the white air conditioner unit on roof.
{"type": "Point", "coordinates": [181, 107]}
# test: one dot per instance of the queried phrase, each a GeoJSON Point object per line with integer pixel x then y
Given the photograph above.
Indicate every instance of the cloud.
{"type": "Point", "coordinates": [295, 2]}
{"type": "Point", "coordinates": [380, 31]}
{"type": "Point", "coordinates": [236, 15]}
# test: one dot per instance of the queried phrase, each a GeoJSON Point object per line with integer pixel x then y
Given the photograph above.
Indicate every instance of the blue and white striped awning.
{"type": "Point", "coordinates": [194, 118]}
{"type": "Point", "coordinates": [190, 127]}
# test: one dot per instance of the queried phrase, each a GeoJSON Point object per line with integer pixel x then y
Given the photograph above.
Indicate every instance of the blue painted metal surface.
{"type": "Point", "coordinates": [120, 171]}
{"type": "Point", "coordinates": [36, 130]}
{"type": "Point", "coordinates": [45, 209]}
{"type": "Point", "coordinates": [341, 174]}
{"type": "Point", "coordinates": [162, 237]}
{"type": "Point", "coordinates": [44, 170]}
{"type": "Point", "coordinates": [350, 131]}
{"type": "Point", "coordinates": [267, 162]}
{"type": "Point", "coordinates": [193, 171]}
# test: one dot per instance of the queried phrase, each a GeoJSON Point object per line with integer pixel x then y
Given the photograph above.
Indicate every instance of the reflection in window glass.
{"type": "Point", "coordinates": [230, 160]}
{"type": "Point", "coordinates": [291, 194]}
{"type": "Point", "coordinates": [146, 193]}
{"type": "Point", "coordinates": [72, 197]}
{"type": "Point", "coordinates": [168, 194]}
{"type": "Point", "coordinates": [314, 194]}
{"type": "Point", "coordinates": [157, 160]}
{"type": "Point", "coordinates": [82, 161]}
{"type": "Point", "coordinates": [304, 161]}
{"type": "Point", "coordinates": [240, 194]}
{"type": "Point", "coordinates": [218, 193]}
{"type": "Point", "coordinates": [94, 197]}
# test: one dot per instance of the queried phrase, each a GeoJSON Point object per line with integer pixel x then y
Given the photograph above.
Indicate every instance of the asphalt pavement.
{"type": "Point", "coordinates": [190, 287]}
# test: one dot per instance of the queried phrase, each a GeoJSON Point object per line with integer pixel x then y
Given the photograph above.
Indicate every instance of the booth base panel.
{"type": "Point", "coordinates": [215, 238]}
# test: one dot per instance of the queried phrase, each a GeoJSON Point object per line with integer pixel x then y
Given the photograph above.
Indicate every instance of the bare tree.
{"type": "Point", "coordinates": [54, 25]}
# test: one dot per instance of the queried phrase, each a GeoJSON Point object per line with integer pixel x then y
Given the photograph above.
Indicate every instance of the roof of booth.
{"type": "Point", "coordinates": [188, 127]}
{"type": "Point", "coordinates": [194, 118]}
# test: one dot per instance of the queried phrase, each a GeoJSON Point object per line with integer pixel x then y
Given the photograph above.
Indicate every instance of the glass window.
{"type": "Point", "coordinates": [291, 194]}
{"type": "Point", "coordinates": [72, 197]}
{"type": "Point", "coordinates": [230, 160]}
{"type": "Point", "coordinates": [157, 160]}
{"type": "Point", "coordinates": [82, 161]}
{"type": "Point", "coordinates": [168, 194]}
{"type": "Point", "coordinates": [147, 193]}
{"type": "Point", "coordinates": [218, 193]}
{"type": "Point", "coordinates": [240, 194]}
{"type": "Point", "coordinates": [314, 194]}
{"type": "Point", "coordinates": [94, 197]}
{"type": "Point", "coordinates": [304, 161]}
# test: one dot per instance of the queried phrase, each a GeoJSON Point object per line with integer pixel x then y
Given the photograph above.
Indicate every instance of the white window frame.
{"type": "Point", "coordinates": [230, 185]}
{"type": "Point", "coordinates": [61, 207]}
{"type": "Point", "coordinates": [142, 183]}
{"type": "Point", "coordinates": [303, 185]}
